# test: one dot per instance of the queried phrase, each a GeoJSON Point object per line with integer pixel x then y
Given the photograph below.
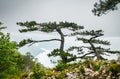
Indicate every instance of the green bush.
{"type": "Point", "coordinates": [96, 67]}
{"type": "Point", "coordinates": [61, 75]}
{"type": "Point", "coordinates": [24, 75]}
{"type": "Point", "coordinates": [113, 61]}
{"type": "Point", "coordinates": [88, 62]}
{"type": "Point", "coordinates": [61, 66]}
{"type": "Point", "coordinates": [94, 64]}
{"type": "Point", "coordinates": [49, 73]}
{"type": "Point", "coordinates": [7, 76]}
{"type": "Point", "coordinates": [82, 70]}
{"type": "Point", "coordinates": [38, 72]}
{"type": "Point", "coordinates": [3, 75]}
{"type": "Point", "coordinates": [114, 68]}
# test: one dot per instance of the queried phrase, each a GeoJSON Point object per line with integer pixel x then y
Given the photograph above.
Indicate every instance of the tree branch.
{"type": "Point", "coordinates": [86, 47]}
{"type": "Point", "coordinates": [93, 37]}
{"type": "Point", "coordinates": [85, 55]}
{"type": "Point", "coordinates": [34, 41]}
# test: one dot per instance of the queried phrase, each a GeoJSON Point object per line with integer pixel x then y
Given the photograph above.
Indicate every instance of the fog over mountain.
{"type": "Point", "coordinates": [78, 11]}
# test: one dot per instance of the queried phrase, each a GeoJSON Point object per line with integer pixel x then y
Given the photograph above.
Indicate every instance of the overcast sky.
{"type": "Point", "coordinates": [78, 11]}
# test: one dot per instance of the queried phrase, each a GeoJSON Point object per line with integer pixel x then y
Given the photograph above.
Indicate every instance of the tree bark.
{"type": "Point", "coordinates": [63, 56]}
{"type": "Point", "coordinates": [95, 51]}
{"type": "Point", "coordinates": [34, 41]}
{"type": "Point", "coordinates": [62, 39]}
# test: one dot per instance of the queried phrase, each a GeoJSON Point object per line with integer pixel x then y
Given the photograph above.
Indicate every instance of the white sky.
{"type": "Point", "coordinates": [78, 11]}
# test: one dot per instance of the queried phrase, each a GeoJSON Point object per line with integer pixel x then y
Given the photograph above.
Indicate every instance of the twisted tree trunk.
{"type": "Point", "coordinates": [95, 51]}
{"type": "Point", "coordinates": [63, 56]}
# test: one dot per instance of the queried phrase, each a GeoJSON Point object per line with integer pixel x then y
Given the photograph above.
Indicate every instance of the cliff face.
{"type": "Point", "coordinates": [88, 69]}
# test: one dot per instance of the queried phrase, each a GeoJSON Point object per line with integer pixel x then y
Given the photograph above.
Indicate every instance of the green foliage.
{"type": "Point", "coordinates": [29, 25]}
{"type": "Point", "coordinates": [69, 56]}
{"type": "Point", "coordinates": [3, 75]}
{"type": "Point", "coordinates": [96, 41]}
{"type": "Point", "coordinates": [96, 67]}
{"type": "Point", "coordinates": [1, 27]}
{"type": "Point", "coordinates": [79, 49]}
{"type": "Point", "coordinates": [48, 27]}
{"type": "Point", "coordinates": [0, 23]}
{"type": "Point", "coordinates": [28, 62]}
{"type": "Point", "coordinates": [87, 63]}
{"type": "Point", "coordinates": [113, 62]}
{"type": "Point", "coordinates": [92, 64]}
{"type": "Point", "coordinates": [49, 72]}
{"type": "Point", "coordinates": [82, 70]}
{"type": "Point", "coordinates": [104, 6]}
{"type": "Point", "coordinates": [55, 52]}
{"type": "Point", "coordinates": [38, 72]}
{"type": "Point", "coordinates": [12, 63]}
{"type": "Point", "coordinates": [8, 50]}
{"type": "Point", "coordinates": [51, 27]}
{"type": "Point", "coordinates": [90, 37]}
{"type": "Point", "coordinates": [89, 32]}
{"type": "Point", "coordinates": [9, 61]}
{"type": "Point", "coordinates": [24, 75]}
{"type": "Point", "coordinates": [61, 66]}
{"type": "Point", "coordinates": [24, 42]}
{"type": "Point", "coordinates": [61, 75]}
{"type": "Point", "coordinates": [114, 68]}
{"type": "Point", "coordinates": [100, 67]}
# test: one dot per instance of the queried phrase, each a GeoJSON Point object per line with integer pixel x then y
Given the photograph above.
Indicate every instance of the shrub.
{"type": "Point", "coordinates": [24, 75]}
{"type": "Point", "coordinates": [38, 72]}
{"type": "Point", "coordinates": [3, 75]}
{"type": "Point", "coordinates": [114, 68]}
{"type": "Point", "coordinates": [82, 70]}
{"type": "Point", "coordinates": [61, 66]}
{"type": "Point", "coordinates": [113, 61]}
{"type": "Point", "coordinates": [88, 62]}
{"type": "Point", "coordinates": [96, 67]}
{"type": "Point", "coordinates": [61, 75]}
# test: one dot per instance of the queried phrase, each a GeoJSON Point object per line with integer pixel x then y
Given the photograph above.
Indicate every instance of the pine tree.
{"type": "Point", "coordinates": [104, 6]}
{"type": "Point", "coordinates": [10, 58]}
{"type": "Point", "coordinates": [95, 48]}
{"type": "Point", "coordinates": [51, 27]}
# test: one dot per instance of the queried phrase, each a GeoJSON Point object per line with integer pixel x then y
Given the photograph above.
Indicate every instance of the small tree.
{"type": "Point", "coordinates": [50, 27]}
{"type": "Point", "coordinates": [28, 61]}
{"type": "Point", "coordinates": [105, 6]}
{"type": "Point", "coordinates": [95, 49]}
{"type": "Point", "coordinates": [10, 58]}
{"type": "Point", "coordinates": [7, 49]}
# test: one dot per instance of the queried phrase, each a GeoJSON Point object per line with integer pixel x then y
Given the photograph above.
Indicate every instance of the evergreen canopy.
{"type": "Point", "coordinates": [104, 6]}
{"type": "Point", "coordinates": [51, 27]}
{"type": "Point", "coordinates": [95, 49]}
